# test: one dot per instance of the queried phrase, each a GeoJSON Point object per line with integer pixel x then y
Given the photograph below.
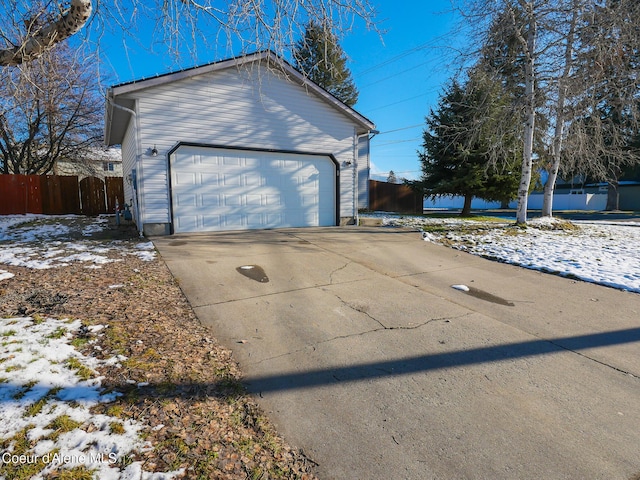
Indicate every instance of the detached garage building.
{"type": "Point", "coordinates": [245, 143]}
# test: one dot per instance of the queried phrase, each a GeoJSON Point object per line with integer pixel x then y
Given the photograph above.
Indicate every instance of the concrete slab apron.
{"type": "Point", "coordinates": [377, 371]}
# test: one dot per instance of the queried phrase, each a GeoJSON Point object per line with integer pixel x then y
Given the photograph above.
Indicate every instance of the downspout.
{"type": "Point", "coordinates": [137, 161]}
{"type": "Point", "coordinates": [356, 139]}
{"type": "Point", "coordinates": [356, 146]}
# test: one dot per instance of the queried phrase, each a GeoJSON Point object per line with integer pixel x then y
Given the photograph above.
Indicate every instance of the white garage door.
{"type": "Point", "coordinates": [221, 189]}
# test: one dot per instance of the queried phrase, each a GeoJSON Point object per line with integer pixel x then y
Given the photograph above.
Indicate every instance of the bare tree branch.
{"type": "Point", "coordinates": [43, 38]}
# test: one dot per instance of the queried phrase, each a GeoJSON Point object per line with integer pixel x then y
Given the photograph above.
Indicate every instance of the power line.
{"type": "Point", "coordinates": [406, 171]}
{"type": "Point", "coordinates": [402, 128]}
{"type": "Point", "coordinates": [399, 101]}
{"type": "Point", "coordinates": [395, 59]}
{"type": "Point", "coordinates": [393, 142]}
{"type": "Point", "coordinates": [394, 75]}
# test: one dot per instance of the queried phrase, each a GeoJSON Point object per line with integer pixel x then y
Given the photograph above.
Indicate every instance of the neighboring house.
{"type": "Point", "coordinates": [245, 143]}
{"type": "Point", "coordinates": [103, 163]}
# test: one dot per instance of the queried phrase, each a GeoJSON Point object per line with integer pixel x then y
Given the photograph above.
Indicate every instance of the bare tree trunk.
{"type": "Point", "coordinates": [530, 110]}
{"type": "Point", "coordinates": [613, 197]}
{"type": "Point", "coordinates": [466, 209]}
{"type": "Point", "coordinates": [549, 188]}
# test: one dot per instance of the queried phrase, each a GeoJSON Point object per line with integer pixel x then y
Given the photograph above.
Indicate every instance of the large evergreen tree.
{"type": "Point", "coordinates": [457, 141]}
{"type": "Point", "coordinates": [319, 56]}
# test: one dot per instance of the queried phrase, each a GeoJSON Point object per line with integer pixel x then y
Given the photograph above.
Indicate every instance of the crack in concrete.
{"type": "Point", "coordinates": [382, 328]}
{"type": "Point", "coordinates": [403, 327]}
{"type": "Point", "coordinates": [337, 270]}
{"type": "Point", "coordinates": [273, 294]}
{"type": "Point", "coordinates": [583, 355]}
{"type": "Point", "coordinates": [361, 310]}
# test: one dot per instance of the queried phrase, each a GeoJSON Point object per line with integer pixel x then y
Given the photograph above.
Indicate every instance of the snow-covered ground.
{"type": "Point", "coordinates": [47, 387]}
{"type": "Point", "coordinates": [35, 241]}
{"type": "Point", "coordinates": [606, 253]}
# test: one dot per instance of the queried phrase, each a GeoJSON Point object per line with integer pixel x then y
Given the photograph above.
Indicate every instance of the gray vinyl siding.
{"type": "Point", "coordinates": [128, 161]}
{"type": "Point", "coordinates": [247, 108]}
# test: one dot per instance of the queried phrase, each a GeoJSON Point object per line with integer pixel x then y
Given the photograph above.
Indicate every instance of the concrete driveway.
{"type": "Point", "coordinates": [364, 356]}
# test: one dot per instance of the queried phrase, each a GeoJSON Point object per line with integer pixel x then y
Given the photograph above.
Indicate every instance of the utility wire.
{"type": "Point", "coordinates": [393, 142]}
{"type": "Point", "coordinates": [402, 128]}
{"type": "Point", "coordinates": [395, 59]}
{"type": "Point", "coordinates": [394, 75]}
{"type": "Point", "coordinates": [398, 102]}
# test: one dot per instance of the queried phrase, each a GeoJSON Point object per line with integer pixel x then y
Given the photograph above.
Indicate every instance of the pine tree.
{"type": "Point", "coordinates": [319, 56]}
{"type": "Point", "coordinates": [455, 158]}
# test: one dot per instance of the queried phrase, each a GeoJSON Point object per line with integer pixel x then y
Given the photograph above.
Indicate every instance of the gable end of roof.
{"type": "Point", "coordinates": [117, 110]}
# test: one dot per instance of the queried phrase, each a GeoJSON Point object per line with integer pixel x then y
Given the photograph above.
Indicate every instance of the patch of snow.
{"type": "Point", "coordinates": [100, 224]}
{"type": "Point", "coordinates": [597, 252]}
{"type": "Point", "coordinates": [427, 237]}
{"type": "Point", "coordinates": [4, 275]}
{"type": "Point", "coordinates": [145, 246]}
{"type": "Point", "coordinates": [462, 288]}
{"type": "Point", "coordinates": [41, 383]}
{"type": "Point", "coordinates": [548, 221]}
{"type": "Point", "coordinates": [36, 241]}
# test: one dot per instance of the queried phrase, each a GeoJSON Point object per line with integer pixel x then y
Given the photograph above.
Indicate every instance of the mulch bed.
{"type": "Point", "coordinates": [197, 413]}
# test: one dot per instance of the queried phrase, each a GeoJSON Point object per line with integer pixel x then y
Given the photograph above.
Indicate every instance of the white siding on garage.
{"type": "Point", "coordinates": [128, 160]}
{"type": "Point", "coordinates": [247, 108]}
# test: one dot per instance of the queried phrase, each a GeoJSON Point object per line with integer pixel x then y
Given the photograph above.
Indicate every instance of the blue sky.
{"type": "Point", "coordinates": [399, 74]}
{"type": "Point", "coordinates": [400, 78]}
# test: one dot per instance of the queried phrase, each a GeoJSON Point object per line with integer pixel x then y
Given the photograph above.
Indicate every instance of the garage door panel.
{"type": "Point", "coordinates": [185, 178]}
{"type": "Point", "coordinates": [253, 200]}
{"type": "Point", "coordinates": [233, 221]}
{"type": "Point", "coordinates": [205, 160]}
{"type": "Point", "coordinates": [209, 179]}
{"type": "Point", "coordinates": [218, 189]}
{"type": "Point", "coordinates": [187, 223]}
{"type": "Point", "coordinates": [309, 200]}
{"type": "Point", "coordinates": [210, 201]}
{"type": "Point", "coordinates": [273, 199]}
{"type": "Point", "coordinates": [210, 222]}
{"type": "Point", "coordinates": [232, 179]}
{"type": "Point", "coordinates": [252, 179]}
{"type": "Point", "coordinates": [273, 220]}
{"type": "Point", "coordinates": [232, 159]}
{"type": "Point", "coordinates": [255, 220]}
{"type": "Point", "coordinates": [233, 200]}
{"type": "Point", "coordinates": [183, 159]}
{"type": "Point", "coordinates": [254, 162]}
{"type": "Point", "coordinates": [186, 200]}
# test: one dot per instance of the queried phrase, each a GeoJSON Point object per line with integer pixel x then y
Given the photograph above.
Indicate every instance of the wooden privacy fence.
{"type": "Point", "coordinates": [391, 197]}
{"type": "Point", "coordinates": [59, 195]}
